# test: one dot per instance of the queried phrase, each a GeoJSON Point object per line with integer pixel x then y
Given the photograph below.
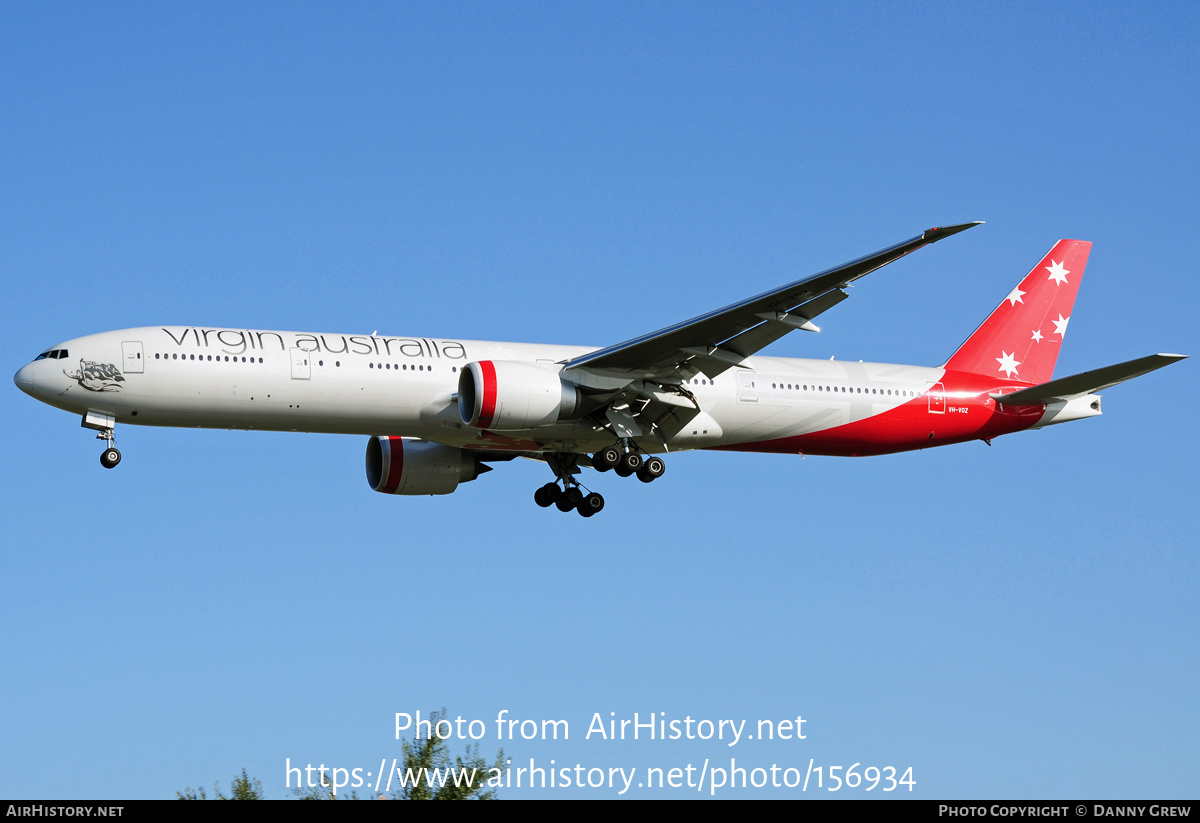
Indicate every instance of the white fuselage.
{"type": "Point", "coordinates": [404, 386]}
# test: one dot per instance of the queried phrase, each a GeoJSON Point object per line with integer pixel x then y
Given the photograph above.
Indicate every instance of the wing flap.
{"type": "Point", "coordinates": [780, 323]}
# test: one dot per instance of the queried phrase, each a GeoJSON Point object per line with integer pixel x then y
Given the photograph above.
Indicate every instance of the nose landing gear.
{"type": "Point", "coordinates": [103, 426]}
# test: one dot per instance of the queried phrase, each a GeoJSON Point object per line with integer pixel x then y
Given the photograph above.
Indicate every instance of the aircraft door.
{"type": "Point", "coordinates": [937, 398]}
{"type": "Point", "coordinates": [301, 364]}
{"type": "Point", "coordinates": [747, 386]}
{"type": "Point", "coordinates": [131, 357]}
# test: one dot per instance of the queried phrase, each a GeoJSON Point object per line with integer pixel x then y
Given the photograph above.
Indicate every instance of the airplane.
{"type": "Point", "coordinates": [440, 412]}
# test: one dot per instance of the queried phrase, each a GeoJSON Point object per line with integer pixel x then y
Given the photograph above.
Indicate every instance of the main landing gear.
{"type": "Point", "coordinates": [628, 463]}
{"type": "Point", "coordinates": [573, 496]}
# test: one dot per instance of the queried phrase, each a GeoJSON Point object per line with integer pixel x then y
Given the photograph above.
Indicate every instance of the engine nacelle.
{"type": "Point", "coordinates": [400, 465]}
{"type": "Point", "coordinates": [505, 395]}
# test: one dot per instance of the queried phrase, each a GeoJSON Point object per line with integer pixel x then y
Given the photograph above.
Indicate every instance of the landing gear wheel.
{"type": "Point", "coordinates": [569, 499]}
{"type": "Point", "coordinates": [606, 459]}
{"type": "Point", "coordinates": [591, 504]}
{"type": "Point", "coordinates": [652, 469]}
{"type": "Point", "coordinates": [110, 458]}
{"type": "Point", "coordinates": [630, 463]}
{"type": "Point", "coordinates": [546, 495]}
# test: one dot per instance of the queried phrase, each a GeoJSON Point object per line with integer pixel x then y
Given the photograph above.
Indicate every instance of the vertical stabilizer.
{"type": "Point", "coordinates": [1021, 338]}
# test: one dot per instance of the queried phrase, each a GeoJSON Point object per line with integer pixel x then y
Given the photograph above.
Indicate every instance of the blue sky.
{"type": "Point", "coordinates": [1019, 621]}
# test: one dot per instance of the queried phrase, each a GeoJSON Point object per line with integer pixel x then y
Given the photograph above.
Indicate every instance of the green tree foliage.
{"type": "Point", "coordinates": [323, 792]}
{"type": "Point", "coordinates": [244, 787]}
{"type": "Point", "coordinates": [424, 755]}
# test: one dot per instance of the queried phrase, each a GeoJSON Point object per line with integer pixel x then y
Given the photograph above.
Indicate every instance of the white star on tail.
{"type": "Point", "coordinates": [1008, 363]}
{"type": "Point", "coordinates": [1014, 296]}
{"type": "Point", "coordinates": [1037, 336]}
{"type": "Point", "coordinates": [1057, 273]}
{"type": "Point", "coordinates": [1060, 325]}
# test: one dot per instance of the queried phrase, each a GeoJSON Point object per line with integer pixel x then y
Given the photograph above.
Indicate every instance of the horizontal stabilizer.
{"type": "Point", "coordinates": [1078, 385]}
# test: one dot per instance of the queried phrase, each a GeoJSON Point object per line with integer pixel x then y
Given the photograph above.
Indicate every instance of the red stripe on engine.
{"type": "Point", "coordinates": [395, 447]}
{"type": "Point", "coordinates": [487, 411]}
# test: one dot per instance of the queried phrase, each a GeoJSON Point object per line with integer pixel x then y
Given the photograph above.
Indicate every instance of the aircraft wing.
{"type": "Point", "coordinates": [723, 338]}
{"type": "Point", "coordinates": [1078, 385]}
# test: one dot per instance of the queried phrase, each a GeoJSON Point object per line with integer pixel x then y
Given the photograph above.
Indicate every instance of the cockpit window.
{"type": "Point", "coordinates": [41, 356]}
{"type": "Point", "coordinates": [53, 354]}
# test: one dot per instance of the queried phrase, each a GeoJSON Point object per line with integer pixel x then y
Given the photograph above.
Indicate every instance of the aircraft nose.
{"type": "Point", "coordinates": [24, 378]}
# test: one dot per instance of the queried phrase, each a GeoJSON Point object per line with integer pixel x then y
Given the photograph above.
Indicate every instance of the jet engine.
{"type": "Point", "coordinates": [400, 465]}
{"type": "Point", "coordinates": [503, 395]}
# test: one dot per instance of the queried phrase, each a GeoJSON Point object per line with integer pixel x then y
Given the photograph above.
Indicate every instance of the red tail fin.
{"type": "Point", "coordinates": [1021, 338]}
